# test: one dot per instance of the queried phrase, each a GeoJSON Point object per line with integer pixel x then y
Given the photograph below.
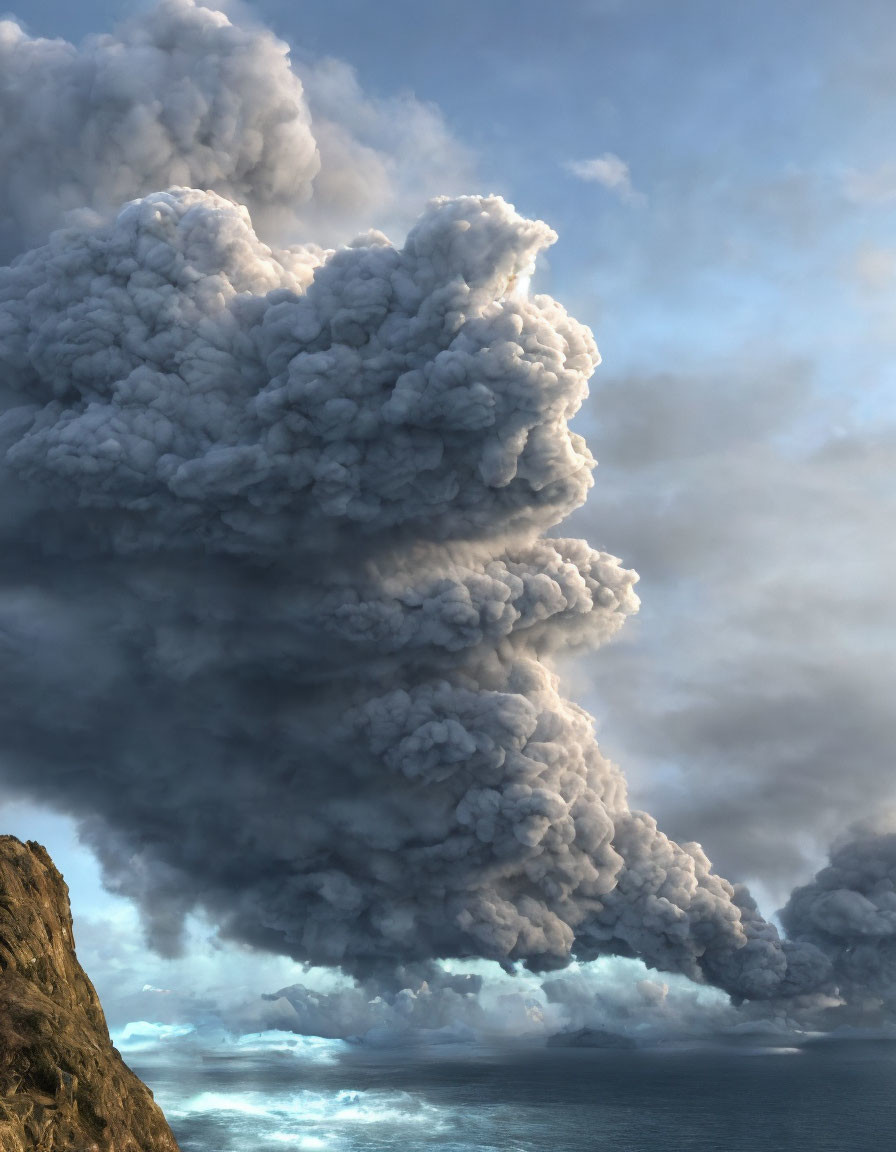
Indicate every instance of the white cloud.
{"type": "Point", "coordinates": [874, 187]}
{"type": "Point", "coordinates": [874, 269]}
{"type": "Point", "coordinates": [608, 170]}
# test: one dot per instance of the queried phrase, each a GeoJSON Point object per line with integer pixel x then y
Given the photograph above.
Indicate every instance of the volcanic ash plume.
{"type": "Point", "coordinates": [278, 610]}
{"type": "Point", "coordinates": [849, 912]}
{"type": "Point", "coordinates": [180, 95]}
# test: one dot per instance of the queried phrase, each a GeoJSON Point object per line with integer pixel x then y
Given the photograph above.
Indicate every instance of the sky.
{"type": "Point", "coordinates": [720, 180]}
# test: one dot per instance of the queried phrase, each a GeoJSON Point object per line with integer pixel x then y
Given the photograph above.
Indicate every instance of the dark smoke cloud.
{"type": "Point", "coordinates": [278, 611]}
{"type": "Point", "coordinates": [849, 912]}
{"type": "Point", "coordinates": [279, 607]}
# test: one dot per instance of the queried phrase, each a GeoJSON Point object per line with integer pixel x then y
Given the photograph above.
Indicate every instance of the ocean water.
{"type": "Point", "coordinates": [330, 1097]}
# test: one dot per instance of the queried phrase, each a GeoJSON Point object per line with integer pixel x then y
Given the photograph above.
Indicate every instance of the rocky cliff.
{"type": "Point", "coordinates": [63, 1086]}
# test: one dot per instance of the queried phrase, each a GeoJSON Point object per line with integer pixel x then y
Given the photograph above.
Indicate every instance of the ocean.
{"type": "Point", "coordinates": [262, 1096]}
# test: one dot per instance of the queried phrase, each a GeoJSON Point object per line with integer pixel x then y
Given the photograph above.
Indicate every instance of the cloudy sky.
{"type": "Point", "coordinates": [720, 182]}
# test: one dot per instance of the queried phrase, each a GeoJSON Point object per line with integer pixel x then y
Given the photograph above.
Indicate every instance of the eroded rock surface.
{"type": "Point", "coordinates": [63, 1086]}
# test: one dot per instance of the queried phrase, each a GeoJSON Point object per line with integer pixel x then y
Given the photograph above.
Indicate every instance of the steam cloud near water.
{"type": "Point", "coordinates": [277, 606]}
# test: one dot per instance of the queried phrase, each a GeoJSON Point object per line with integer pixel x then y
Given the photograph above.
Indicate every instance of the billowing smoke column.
{"type": "Point", "coordinates": [849, 912]}
{"type": "Point", "coordinates": [277, 607]}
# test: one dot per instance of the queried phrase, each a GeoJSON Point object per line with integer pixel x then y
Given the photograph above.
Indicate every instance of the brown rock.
{"type": "Point", "coordinates": [63, 1086]}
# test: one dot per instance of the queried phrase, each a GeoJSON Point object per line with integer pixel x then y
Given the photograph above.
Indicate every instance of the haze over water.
{"type": "Point", "coordinates": [826, 1097]}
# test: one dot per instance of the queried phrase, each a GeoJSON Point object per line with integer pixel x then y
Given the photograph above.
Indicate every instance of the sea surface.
{"type": "Point", "coordinates": [301, 1095]}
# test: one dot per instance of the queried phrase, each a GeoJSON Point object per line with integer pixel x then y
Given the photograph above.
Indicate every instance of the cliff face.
{"type": "Point", "coordinates": [63, 1087]}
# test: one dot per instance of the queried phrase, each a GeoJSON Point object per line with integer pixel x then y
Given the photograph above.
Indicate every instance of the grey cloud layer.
{"type": "Point", "coordinates": [767, 727]}
{"type": "Point", "coordinates": [277, 606]}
